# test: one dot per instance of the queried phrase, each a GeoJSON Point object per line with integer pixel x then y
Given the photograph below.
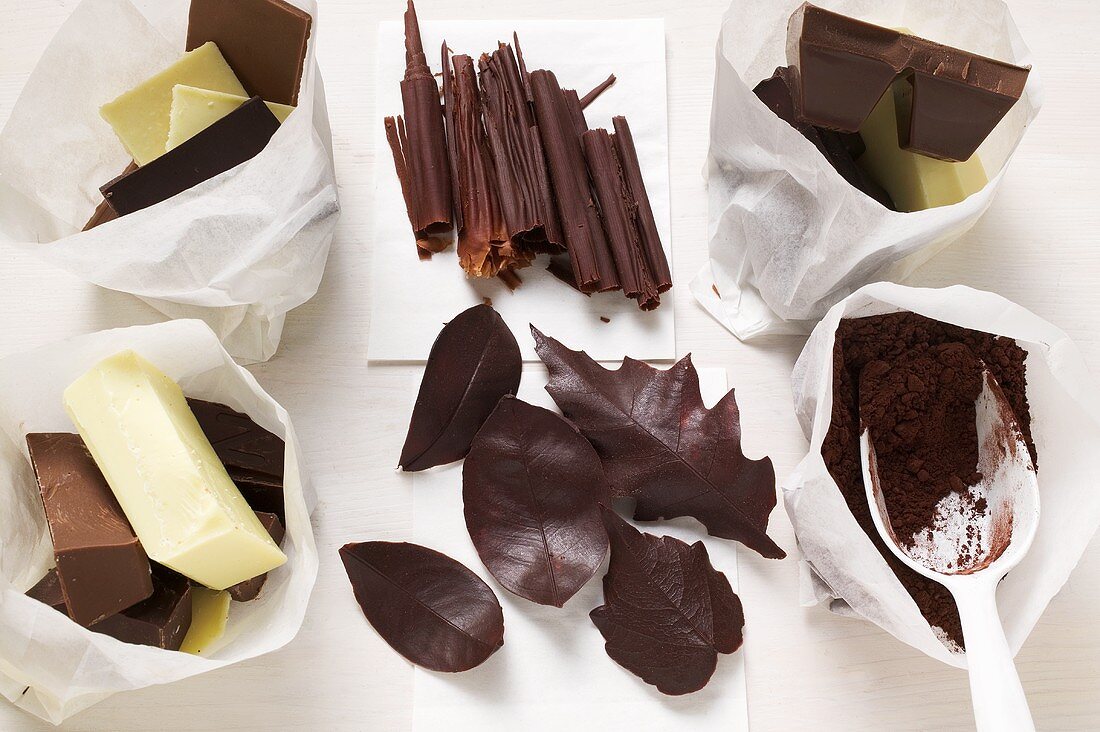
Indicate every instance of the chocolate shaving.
{"type": "Point", "coordinates": [525, 195]}
{"type": "Point", "coordinates": [589, 254]}
{"type": "Point", "coordinates": [617, 206]}
{"type": "Point", "coordinates": [484, 247]}
{"type": "Point", "coordinates": [595, 93]}
{"type": "Point", "coordinates": [419, 146]}
{"type": "Point", "coordinates": [655, 259]}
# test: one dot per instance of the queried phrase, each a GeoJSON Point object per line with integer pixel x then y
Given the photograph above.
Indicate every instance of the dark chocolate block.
{"type": "Point", "coordinates": [249, 589]}
{"type": "Point", "coordinates": [236, 138]}
{"type": "Point", "coordinates": [264, 41]}
{"type": "Point", "coordinates": [101, 566]}
{"type": "Point", "coordinates": [844, 66]}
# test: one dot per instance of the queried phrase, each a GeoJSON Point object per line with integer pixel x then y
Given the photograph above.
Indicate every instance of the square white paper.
{"type": "Point", "coordinates": [553, 673]}
{"type": "Point", "coordinates": [413, 298]}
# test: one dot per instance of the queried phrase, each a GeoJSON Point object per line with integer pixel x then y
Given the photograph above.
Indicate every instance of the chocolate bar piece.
{"type": "Point", "coordinates": [839, 148]}
{"type": "Point", "coordinates": [249, 589]}
{"type": "Point", "coordinates": [419, 147]}
{"type": "Point", "coordinates": [103, 212]}
{"type": "Point", "coordinates": [161, 620]}
{"type": "Point", "coordinates": [239, 136]}
{"type": "Point", "coordinates": [265, 41]}
{"type": "Point", "coordinates": [844, 66]}
{"type": "Point", "coordinates": [101, 567]}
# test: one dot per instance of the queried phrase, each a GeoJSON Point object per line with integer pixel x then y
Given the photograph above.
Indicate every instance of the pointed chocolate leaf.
{"type": "Point", "coordinates": [474, 361]}
{"type": "Point", "coordinates": [531, 487]}
{"type": "Point", "coordinates": [428, 607]}
{"type": "Point", "coordinates": [660, 445]}
{"type": "Point", "coordinates": [667, 611]}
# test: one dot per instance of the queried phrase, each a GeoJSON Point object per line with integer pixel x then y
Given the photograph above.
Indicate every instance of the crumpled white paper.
{"type": "Point", "coordinates": [238, 251]}
{"type": "Point", "coordinates": [553, 672]}
{"type": "Point", "coordinates": [841, 566]}
{"type": "Point", "coordinates": [49, 665]}
{"type": "Point", "coordinates": [410, 297]}
{"type": "Point", "coordinates": [789, 237]}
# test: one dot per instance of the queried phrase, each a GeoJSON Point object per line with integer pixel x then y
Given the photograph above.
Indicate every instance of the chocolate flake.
{"type": "Point", "coordinates": [593, 95]}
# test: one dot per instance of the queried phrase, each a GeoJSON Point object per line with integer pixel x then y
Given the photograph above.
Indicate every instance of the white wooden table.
{"type": "Point", "coordinates": [1039, 245]}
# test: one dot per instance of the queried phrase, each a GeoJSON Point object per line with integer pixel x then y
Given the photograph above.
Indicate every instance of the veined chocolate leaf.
{"type": "Point", "coordinates": [428, 607]}
{"type": "Point", "coordinates": [660, 445]}
{"type": "Point", "coordinates": [667, 611]}
{"type": "Point", "coordinates": [531, 487]}
{"type": "Point", "coordinates": [474, 361]}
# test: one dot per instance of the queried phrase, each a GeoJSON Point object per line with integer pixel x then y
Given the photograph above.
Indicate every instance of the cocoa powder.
{"type": "Point", "coordinates": [922, 378]}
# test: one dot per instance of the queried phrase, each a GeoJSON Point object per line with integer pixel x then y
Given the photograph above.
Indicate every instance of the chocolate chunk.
{"type": "Point", "coordinates": [103, 212]}
{"type": "Point", "coordinates": [232, 140]}
{"type": "Point", "coordinates": [249, 589]}
{"type": "Point", "coordinates": [844, 66]}
{"type": "Point", "coordinates": [48, 591]}
{"type": "Point", "coordinates": [839, 148]}
{"type": "Point", "coordinates": [253, 456]}
{"type": "Point", "coordinates": [264, 41]}
{"type": "Point", "coordinates": [101, 566]}
{"type": "Point", "coordinates": [162, 621]}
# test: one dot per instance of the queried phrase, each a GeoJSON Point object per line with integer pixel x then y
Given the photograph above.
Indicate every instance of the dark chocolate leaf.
{"type": "Point", "coordinates": [660, 445]}
{"type": "Point", "coordinates": [531, 487]}
{"type": "Point", "coordinates": [428, 607]}
{"type": "Point", "coordinates": [667, 611]}
{"type": "Point", "coordinates": [473, 363]}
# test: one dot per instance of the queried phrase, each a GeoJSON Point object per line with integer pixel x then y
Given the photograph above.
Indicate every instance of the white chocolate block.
{"type": "Point", "coordinates": [171, 485]}
{"type": "Point", "coordinates": [915, 182]}
{"type": "Point", "coordinates": [195, 109]}
{"type": "Point", "coordinates": [140, 116]}
{"type": "Point", "coordinates": [209, 616]}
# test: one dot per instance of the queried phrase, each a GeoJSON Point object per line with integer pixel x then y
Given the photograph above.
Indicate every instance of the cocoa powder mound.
{"type": "Point", "coordinates": [916, 344]}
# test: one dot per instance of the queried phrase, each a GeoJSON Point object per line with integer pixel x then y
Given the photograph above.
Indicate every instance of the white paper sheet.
{"type": "Point", "coordinates": [553, 673]}
{"type": "Point", "coordinates": [789, 237]}
{"type": "Point", "coordinates": [238, 251]}
{"type": "Point", "coordinates": [51, 666]}
{"type": "Point", "coordinates": [411, 298]}
{"type": "Point", "coordinates": [839, 561]}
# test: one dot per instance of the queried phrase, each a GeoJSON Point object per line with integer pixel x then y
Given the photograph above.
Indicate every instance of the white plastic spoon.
{"type": "Point", "coordinates": [971, 565]}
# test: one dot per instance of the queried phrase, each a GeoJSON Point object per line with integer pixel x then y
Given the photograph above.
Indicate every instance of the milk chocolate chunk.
{"type": "Point", "coordinates": [265, 41]}
{"type": "Point", "coordinates": [249, 589]}
{"type": "Point", "coordinates": [162, 621]}
{"type": "Point", "coordinates": [238, 137]}
{"type": "Point", "coordinates": [841, 149]}
{"type": "Point", "coordinates": [101, 567]}
{"type": "Point", "coordinates": [844, 66]}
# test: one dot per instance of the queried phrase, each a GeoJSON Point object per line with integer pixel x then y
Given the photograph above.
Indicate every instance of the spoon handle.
{"type": "Point", "coordinates": [995, 691]}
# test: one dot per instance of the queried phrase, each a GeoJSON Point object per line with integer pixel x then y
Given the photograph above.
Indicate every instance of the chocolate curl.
{"type": "Point", "coordinates": [576, 111]}
{"type": "Point", "coordinates": [617, 206]}
{"type": "Point", "coordinates": [395, 136]}
{"type": "Point", "coordinates": [655, 260]}
{"type": "Point", "coordinates": [593, 267]}
{"type": "Point", "coordinates": [523, 68]}
{"type": "Point", "coordinates": [484, 247]}
{"type": "Point", "coordinates": [595, 93]}
{"type": "Point", "coordinates": [517, 155]}
{"type": "Point", "coordinates": [448, 116]}
{"type": "Point", "coordinates": [421, 145]}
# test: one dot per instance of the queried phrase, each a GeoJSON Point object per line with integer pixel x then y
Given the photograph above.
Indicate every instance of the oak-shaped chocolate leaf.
{"type": "Point", "coordinates": [531, 487]}
{"type": "Point", "coordinates": [660, 445]}
{"type": "Point", "coordinates": [474, 361]}
{"type": "Point", "coordinates": [667, 611]}
{"type": "Point", "coordinates": [428, 607]}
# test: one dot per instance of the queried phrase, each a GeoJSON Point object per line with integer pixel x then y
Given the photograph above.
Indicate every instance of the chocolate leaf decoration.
{"type": "Point", "coordinates": [531, 487]}
{"type": "Point", "coordinates": [660, 445]}
{"type": "Point", "coordinates": [428, 607]}
{"type": "Point", "coordinates": [667, 611]}
{"type": "Point", "coordinates": [474, 361]}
